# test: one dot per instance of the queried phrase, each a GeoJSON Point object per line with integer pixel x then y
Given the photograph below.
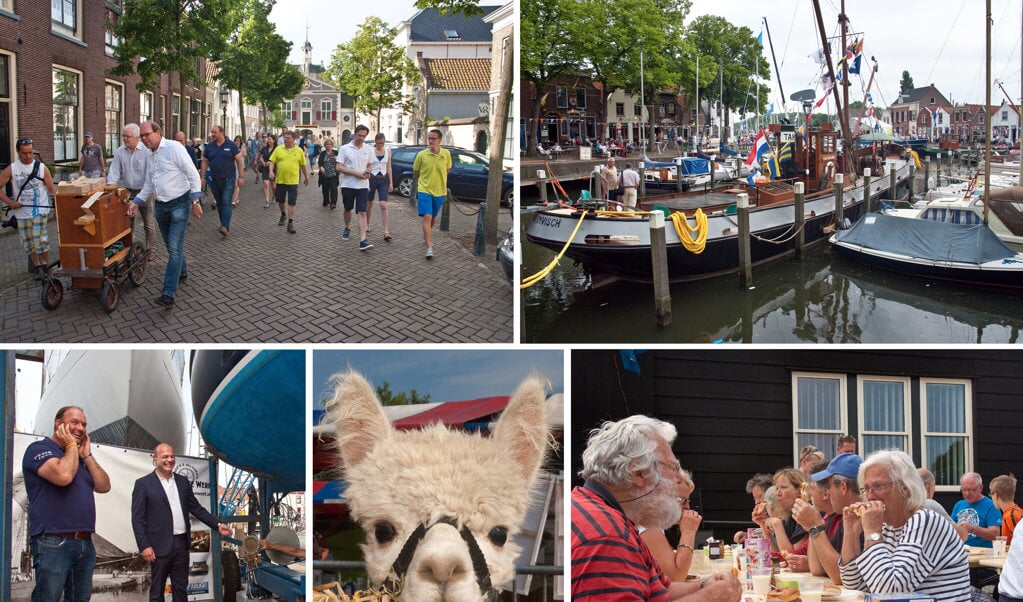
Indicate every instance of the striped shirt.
{"type": "Point", "coordinates": [609, 559]}
{"type": "Point", "coordinates": [925, 556]}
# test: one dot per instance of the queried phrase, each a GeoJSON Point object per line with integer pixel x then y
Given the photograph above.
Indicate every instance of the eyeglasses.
{"type": "Point", "coordinates": [24, 141]}
{"type": "Point", "coordinates": [675, 465]}
{"type": "Point", "coordinates": [683, 501]}
{"type": "Point", "coordinates": [876, 489]}
{"type": "Point", "coordinates": [969, 489]}
{"type": "Point", "coordinates": [432, 138]}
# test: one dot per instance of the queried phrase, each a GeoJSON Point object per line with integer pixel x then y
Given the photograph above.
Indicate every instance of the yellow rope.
{"type": "Point", "coordinates": [531, 280]}
{"type": "Point", "coordinates": [684, 230]}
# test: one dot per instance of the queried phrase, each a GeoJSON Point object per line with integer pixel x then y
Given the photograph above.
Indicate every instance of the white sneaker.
{"type": "Point", "coordinates": [429, 252]}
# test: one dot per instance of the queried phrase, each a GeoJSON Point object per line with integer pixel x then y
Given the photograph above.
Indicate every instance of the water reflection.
{"type": "Point", "coordinates": [821, 299]}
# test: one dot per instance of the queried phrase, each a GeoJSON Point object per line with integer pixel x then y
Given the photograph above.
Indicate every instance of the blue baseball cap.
{"type": "Point", "coordinates": [846, 465]}
{"type": "Point", "coordinates": [88, 134]}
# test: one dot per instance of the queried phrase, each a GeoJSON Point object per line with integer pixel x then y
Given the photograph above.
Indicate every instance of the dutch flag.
{"type": "Point", "coordinates": [760, 147]}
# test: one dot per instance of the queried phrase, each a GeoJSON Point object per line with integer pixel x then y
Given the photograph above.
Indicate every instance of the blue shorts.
{"type": "Point", "coordinates": [378, 187]}
{"type": "Point", "coordinates": [355, 197]}
{"type": "Point", "coordinates": [429, 204]}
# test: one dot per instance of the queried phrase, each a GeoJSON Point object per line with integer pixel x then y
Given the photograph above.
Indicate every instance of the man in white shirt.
{"type": "Point", "coordinates": [160, 504]}
{"type": "Point", "coordinates": [128, 170]}
{"type": "Point", "coordinates": [630, 182]}
{"type": "Point", "coordinates": [174, 181]}
{"type": "Point", "coordinates": [353, 164]}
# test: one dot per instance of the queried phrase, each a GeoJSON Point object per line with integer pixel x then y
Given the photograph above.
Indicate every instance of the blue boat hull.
{"type": "Point", "coordinates": [249, 406]}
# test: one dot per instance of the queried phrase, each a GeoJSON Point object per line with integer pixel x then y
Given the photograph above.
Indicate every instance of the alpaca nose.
{"type": "Point", "coordinates": [444, 567]}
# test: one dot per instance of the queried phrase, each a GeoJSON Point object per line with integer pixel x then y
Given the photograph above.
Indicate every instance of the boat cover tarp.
{"type": "Point", "coordinates": [727, 151]}
{"type": "Point", "coordinates": [649, 163]}
{"type": "Point", "coordinates": [926, 239]}
{"type": "Point", "coordinates": [693, 166]}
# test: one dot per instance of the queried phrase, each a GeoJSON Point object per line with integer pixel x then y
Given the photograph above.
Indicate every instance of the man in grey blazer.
{"type": "Point", "coordinates": [160, 504]}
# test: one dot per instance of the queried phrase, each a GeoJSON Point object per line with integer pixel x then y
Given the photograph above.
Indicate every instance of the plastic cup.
{"type": "Point", "coordinates": [998, 544]}
{"type": "Point", "coordinates": [811, 591]}
{"type": "Point", "coordinates": [761, 582]}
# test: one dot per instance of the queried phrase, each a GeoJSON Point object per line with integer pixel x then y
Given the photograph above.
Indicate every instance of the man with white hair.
{"type": "Point", "coordinates": [632, 478]}
{"type": "Point", "coordinates": [977, 521]}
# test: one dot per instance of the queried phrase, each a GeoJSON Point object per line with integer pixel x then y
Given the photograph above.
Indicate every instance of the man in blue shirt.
{"type": "Point", "coordinates": [223, 157]}
{"type": "Point", "coordinates": [977, 521]}
{"type": "Point", "coordinates": [61, 478]}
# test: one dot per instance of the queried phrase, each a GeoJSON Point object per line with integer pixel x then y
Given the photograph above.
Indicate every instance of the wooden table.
{"type": "Point", "coordinates": [995, 562]}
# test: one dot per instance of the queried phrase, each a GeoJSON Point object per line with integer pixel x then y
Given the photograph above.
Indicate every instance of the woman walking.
{"type": "Point", "coordinates": [328, 179]}
{"type": "Point", "coordinates": [245, 161]}
{"type": "Point", "coordinates": [263, 163]}
{"type": "Point", "coordinates": [380, 182]}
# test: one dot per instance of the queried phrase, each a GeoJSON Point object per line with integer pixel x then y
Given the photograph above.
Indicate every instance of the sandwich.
{"type": "Point", "coordinates": [788, 594]}
{"type": "Point", "coordinates": [760, 508]}
{"type": "Point", "coordinates": [804, 491]}
{"type": "Point", "coordinates": [831, 590]}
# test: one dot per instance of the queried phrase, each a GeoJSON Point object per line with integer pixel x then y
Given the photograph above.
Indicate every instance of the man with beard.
{"type": "Point", "coordinates": [61, 476]}
{"type": "Point", "coordinates": [160, 504]}
{"type": "Point", "coordinates": [632, 478]}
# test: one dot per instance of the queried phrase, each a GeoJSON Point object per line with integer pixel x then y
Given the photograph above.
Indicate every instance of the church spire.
{"type": "Point", "coordinates": [307, 52]}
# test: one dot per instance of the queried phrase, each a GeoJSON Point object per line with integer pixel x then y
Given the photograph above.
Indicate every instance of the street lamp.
{"type": "Point", "coordinates": [225, 96]}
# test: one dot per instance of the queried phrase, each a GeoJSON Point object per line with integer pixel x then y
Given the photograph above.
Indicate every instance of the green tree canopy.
{"type": "Point", "coordinates": [170, 36]}
{"type": "Point", "coordinates": [469, 8]}
{"type": "Point", "coordinates": [390, 398]}
{"type": "Point", "coordinates": [906, 84]}
{"type": "Point", "coordinates": [548, 52]}
{"type": "Point", "coordinates": [372, 69]}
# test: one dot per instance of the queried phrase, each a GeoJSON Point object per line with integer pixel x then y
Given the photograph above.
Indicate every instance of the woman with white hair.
{"type": "Point", "coordinates": [906, 547]}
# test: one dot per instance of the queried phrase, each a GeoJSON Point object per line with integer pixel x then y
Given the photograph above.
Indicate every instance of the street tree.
{"type": "Point", "coordinates": [735, 57]}
{"type": "Point", "coordinates": [373, 70]}
{"type": "Point", "coordinates": [468, 8]}
{"type": "Point", "coordinates": [548, 54]}
{"type": "Point", "coordinates": [160, 37]}
{"type": "Point", "coordinates": [401, 398]}
{"type": "Point", "coordinates": [257, 57]}
{"type": "Point", "coordinates": [906, 83]}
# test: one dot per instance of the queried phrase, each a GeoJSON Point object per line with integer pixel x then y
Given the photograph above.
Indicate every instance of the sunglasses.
{"type": "Point", "coordinates": [24, 141]}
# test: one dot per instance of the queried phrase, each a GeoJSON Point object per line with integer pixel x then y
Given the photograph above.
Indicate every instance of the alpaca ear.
{"type": "Point", "coordinates": [522, 427]}
{"type": "Point", "coordinates": [357, 417]}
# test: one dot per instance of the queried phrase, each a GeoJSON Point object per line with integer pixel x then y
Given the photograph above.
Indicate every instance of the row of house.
{"type": "Point", "coordinates": [925, 112]}
{"type": "Point", "coordinates": [459, 60]}
{"type": "Point", "coordinates": [575, 108]}
{"type": "Point", "coordinates": [55, 82]}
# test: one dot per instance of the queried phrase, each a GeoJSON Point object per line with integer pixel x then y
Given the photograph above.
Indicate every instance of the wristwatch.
{"type": "Point", "coordinates": [815, 531]}
{"type": "Point", "coordinates": [872, 537]}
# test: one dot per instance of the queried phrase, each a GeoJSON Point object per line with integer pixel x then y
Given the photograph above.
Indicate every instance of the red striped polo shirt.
{"type": "Point", "coordinates": [609, 559]}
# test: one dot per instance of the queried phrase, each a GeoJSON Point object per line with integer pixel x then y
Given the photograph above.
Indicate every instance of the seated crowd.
{"type": "Point", "coordinates": [865, 524]}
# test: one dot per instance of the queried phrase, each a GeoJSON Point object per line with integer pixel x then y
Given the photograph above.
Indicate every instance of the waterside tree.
{"type": "Point", "coordinates": [548, 53]}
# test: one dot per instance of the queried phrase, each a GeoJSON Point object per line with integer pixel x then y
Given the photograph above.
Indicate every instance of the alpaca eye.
{"type": "Point", "coordinates": [498, 536]}
{"type": "Point", "coordinates": [384, 532]}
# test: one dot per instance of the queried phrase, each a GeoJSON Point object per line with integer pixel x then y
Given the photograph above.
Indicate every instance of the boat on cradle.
{"type": "Point", "coordinates": [696, 173]}
{"type": "Point", "coordinates": [618, 242]}
{"type": "Point", "coordinates": [1005, 218]}
{"type": "Point", "coordinates": [970, 254]}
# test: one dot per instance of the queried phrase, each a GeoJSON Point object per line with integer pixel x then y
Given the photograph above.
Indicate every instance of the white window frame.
{"type": "Point", "coordinates": [843, 409]}
{"type": "Point", "coordinates": [326, 108]}
{"type": "Point", "coordinates": [907, 402]}
{"type": "Point", "coordinates": [59, 27]}
{"type": "Point", "coordinates": [559, 92]}
{"type": "Point", "coordinates": [77, 118]}
{"type": "Point", "coordinates": [969, 436]}
{"type": "Point", "coordinates": [7, 5]}
{"type": "Point", "coordinates": [175, 121]}
{"type": "Point", "coordinates": [110, 38]}
{"type": "Point", "coordinates": [113, 135]}
{"type": "Point", "coordinates": [145, 107]}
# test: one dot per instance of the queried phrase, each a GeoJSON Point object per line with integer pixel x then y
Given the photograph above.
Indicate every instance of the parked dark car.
{"type": "Point", "coordinates": [506, 254]}
{"type": "Point", "coordinates": [466, 180]}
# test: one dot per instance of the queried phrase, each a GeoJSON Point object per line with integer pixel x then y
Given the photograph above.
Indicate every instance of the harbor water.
{"type": "Point", "coordinates": [819, 298]}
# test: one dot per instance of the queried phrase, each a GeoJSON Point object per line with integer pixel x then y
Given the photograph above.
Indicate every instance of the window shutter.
{"type": "Point", "coordinates": [317, 115]}
{"type": "Point", "coordinates": [333, 115]}
{"type": "Point", "coordinates": [294, 115]}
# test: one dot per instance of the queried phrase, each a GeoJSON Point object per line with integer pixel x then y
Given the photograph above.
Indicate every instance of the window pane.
{"type": "Point", "coordinates": [65, 115]}
{"type": "Point", "coordinates": [946, 408]}
{"type": "Point", "coordinates": [947, 458]}
{"type": "Point", "coordinates": [819, 404]}
{"type": "Point", "coordinates": [872, 443]}
{"type": "Point", "coordinates": [883, 406]}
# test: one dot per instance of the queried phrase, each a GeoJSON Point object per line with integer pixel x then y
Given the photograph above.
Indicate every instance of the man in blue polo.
{"type": "Point", "coordinates": [61, 479]}
{"type": "Point", "coordinates": [977, 521]}
{"type": "Point", "coordinates": [224, 159]}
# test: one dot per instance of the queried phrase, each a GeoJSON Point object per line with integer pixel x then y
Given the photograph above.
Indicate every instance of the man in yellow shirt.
{"type": "Point", "coordinates": [431, 170]}
{"type": "Point", "coordinates": [285, 164]}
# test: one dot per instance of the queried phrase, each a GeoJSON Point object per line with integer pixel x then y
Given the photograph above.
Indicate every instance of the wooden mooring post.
{"type": "Point", "coordinates": [659, 259]}
{"type": "Point", "coordinates": [927, 174]}
{"type": "Point", "coordinates": [742, 218]}
{"type": "Point", "coordinates": [866, 190]}
{"type": "Point", "coordinates": [891, 183]}
{"type": "Point", "coordinates": [800, 218]}
{"type": "Point", "coordinates": [541, 184]}
{"type": "Point", "coordinates": [839, 201]}
{"type": "Point", "coordinates": [642, 182]}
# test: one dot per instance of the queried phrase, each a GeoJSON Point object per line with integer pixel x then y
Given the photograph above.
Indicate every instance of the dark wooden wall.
{"type": "Point", "coordinates": [733, 408]}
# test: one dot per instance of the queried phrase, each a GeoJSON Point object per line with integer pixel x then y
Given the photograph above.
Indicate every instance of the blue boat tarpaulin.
{"type": "Point", "coordinates": [926, 239]}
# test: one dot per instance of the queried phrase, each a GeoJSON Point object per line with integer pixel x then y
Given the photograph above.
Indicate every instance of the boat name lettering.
{"type": "Point", "coordinates": [550, 222]}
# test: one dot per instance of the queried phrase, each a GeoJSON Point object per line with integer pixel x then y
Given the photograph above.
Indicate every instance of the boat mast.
{"type": "Point", "coordinates": [846, 142]}
{"type": "Point", "coordinates": [696, 134]}
{"type": "Point", "coordinates": [987, 109]}
{"type": "Point", "coordinates": [642, 105]}
{"type": "Point", "coordinates": [774, 58]}
{"type": "Point", "coordinates": [863, 109]}
{"type": "Point", "coordinates": [845, 75]}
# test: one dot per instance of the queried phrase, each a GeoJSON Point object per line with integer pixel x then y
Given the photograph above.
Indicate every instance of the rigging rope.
{"type": "Point", "coordinates": [684, 230]}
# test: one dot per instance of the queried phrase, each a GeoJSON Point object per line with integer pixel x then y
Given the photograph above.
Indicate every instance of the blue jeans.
{"type": "Point", "coordinates": [62, 565]}
{"type": "Point", "coordinates": [223, 192]}
{"type": "Point", "coordinates": [172, 218]}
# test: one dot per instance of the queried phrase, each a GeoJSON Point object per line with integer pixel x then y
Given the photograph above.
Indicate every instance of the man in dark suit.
{"type": "Point", "coordinates": [160, 504]}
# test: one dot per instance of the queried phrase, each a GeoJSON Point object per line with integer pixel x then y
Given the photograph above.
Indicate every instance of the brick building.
{"type": "Point", "coordinates": [319, 108]}
{"type": "Point", "coordinates": [55, 59]}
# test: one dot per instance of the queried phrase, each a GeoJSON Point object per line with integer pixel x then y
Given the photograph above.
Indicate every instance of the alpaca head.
{"type": "Point", "coordinates": [439, 506]}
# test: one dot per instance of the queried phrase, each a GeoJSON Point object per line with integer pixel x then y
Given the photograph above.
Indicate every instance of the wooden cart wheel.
{"type": "Point", "coordinates": [137, 261]}
{"type": "Point", "coordinates": [53, 293]}
{"type": "Point", "coordinates": [109, 296]}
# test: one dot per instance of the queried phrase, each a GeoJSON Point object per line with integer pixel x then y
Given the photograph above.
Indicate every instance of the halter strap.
{"type": "Point", "coordinates": [396, 578]}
